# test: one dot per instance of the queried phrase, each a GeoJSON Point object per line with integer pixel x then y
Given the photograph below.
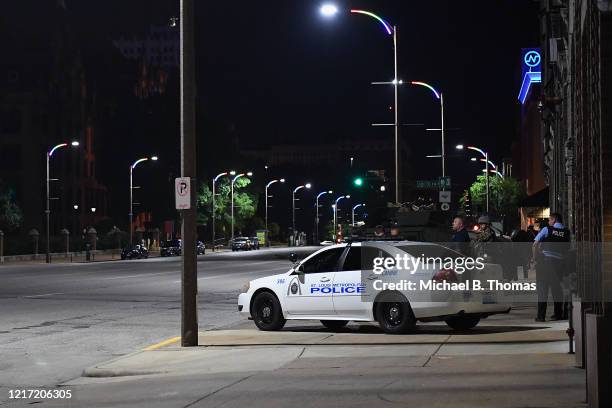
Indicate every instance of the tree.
{"type": "Point", "coordinates": [504, 195]}
{"type": "Point", "coordinates": [10, 213]}
{"type": "Point", "coordinates": [244, 205]}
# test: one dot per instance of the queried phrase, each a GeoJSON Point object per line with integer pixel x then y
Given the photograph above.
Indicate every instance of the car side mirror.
{"type": "Point", "coordinates": [293, 257]}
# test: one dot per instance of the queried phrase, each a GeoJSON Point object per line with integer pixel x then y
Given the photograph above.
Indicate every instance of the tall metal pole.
{"type": "Point", "coordinates": [232, 206]}
{"type": "Point", "coordinates": [131, 206]}
{"type": "Point", "coordinates": [266, 221]}
{"type": "Point", "coordinates": [293, 210]}
{"type": "Point", "coordinates": [396, 123]}
{"type": "Point", "coordinates": [48, 212]}
{"type": "Point", "coordinates": [189, 281]}
{"type": "Point", "coordinates": [335, 220]}
{"type": "Point", "coordinates": [487, 178]}
{"type": "Point", "coordinates": [442, 129]}
{"type": "Point", "coordinates": [213, 214]}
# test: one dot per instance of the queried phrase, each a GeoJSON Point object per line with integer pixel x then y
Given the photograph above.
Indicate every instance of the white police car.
{"type": "Point", "coordinates": [335, 286]}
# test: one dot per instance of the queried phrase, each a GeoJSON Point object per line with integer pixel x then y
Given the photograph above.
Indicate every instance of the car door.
{"type": "Point", "coordinates": [310, 286]}
{"type": "Point", "coordinates": [348, 288]}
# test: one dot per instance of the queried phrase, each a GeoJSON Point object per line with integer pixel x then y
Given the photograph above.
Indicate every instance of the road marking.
{"type": "Point", "coordinates": [45, 294]}
{"type": "Point", "coordinates": [235, 274]}
{"type": "Point", "coordinates": [143, 275]}
{"type": "Point", "coordinates": [163, 343]}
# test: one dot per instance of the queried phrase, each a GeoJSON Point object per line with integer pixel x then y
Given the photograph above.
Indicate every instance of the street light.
{"type": "Point", "coordinates": [440, 97]}
{"type": "Point", "coordinates": [330, 10]}
{"type": "Point", "coordinates": [132, 167]}
{"type": "Point", "coordinates": [322, 193]}
{"type": "Point", "coordinates": [336, 212]}
{"type": "Point", "coordinates": [486, 158]}
{"type": "Point", "coordinates": [213, 203]}
{"type": "Point", "coordinates": [249, 174]}
{"type": "Point", "coordinates": [268, 186]}
{"type": "Point", "coordinates": [353, 213]}
{"type": "Point", "coordinates": [48, 209]}
{"type": "Point", "coordinates": [298, 188]}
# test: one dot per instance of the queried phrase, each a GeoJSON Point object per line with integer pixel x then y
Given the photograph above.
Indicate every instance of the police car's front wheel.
{"type": "Point", "coordinates": [394, 315]}
{"type": "Point", "coordinates": [267, 313]}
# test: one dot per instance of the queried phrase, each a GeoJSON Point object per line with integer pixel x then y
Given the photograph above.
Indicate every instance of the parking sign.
{"type": "Point", "coordinates": [182, 193]}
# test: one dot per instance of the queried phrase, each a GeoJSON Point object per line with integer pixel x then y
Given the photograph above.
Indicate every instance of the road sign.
{"type": "Point", "coordinates": [442, 183]}
{"type": "Point", "coordinates": [182, 193]}
{"type": "Point", "coordinates": [445, 196]}
{"type": "Point", "coordinates": [445, 207]}
{"type": "Point", "coordinates": [445, 183]}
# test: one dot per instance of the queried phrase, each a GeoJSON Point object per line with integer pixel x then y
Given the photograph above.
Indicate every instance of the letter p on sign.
{"type": "Point", "coordinates": [182, 193]}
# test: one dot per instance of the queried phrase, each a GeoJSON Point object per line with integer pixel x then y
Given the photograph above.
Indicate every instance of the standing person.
{"type": "Point", "coordinates": [461, 238]}
{"type": "Point", "coordinates": [549, 251]}
{"type": "Point", "coordinates": [485, 235]}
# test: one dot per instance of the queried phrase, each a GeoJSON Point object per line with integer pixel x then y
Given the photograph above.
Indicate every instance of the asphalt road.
{"type": "Point", "coordinates": [55, 320]}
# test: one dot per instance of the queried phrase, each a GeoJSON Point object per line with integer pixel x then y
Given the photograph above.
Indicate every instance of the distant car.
{"type": "Point", "coordinates": [200, 248]}
{"type": "Point", "coordinates": [134, 252]}
{"type": "Point", "coordinates": [171, 247]}
{"type": "Point", "coordinates": [254, 242]}
{"type": "Point", "coordinates": [241, 244]}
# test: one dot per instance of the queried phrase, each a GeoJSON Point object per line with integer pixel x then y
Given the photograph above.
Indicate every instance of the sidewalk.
{"type": "Point", "coordinates": [494, 366]}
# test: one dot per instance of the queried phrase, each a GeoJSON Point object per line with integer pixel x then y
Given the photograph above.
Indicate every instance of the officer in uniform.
{"type": "Point", "coordinates": [549, 252]}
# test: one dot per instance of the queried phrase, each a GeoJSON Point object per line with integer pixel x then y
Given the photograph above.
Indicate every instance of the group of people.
{"type": "Point", "coordinates": [548, 255]}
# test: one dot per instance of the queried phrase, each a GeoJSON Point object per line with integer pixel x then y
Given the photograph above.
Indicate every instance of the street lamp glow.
{"type": "Point", "coordinates": [473, 159]}
{"type": "Point", "coordinates": [282, 180]}
{"type": "Point", "coordinates": [154, 158]}
{"type": "Point", "coordinates": [75, 143]}
{"type": "Point", "coordinates": [330, 192]}
{"type": "Point", "coordinates": [250, 174]}
{"type": "Point", "coordinates": [308, 185]}
{"type": "Point", "coordinates": [459, 147]}
{"type": "Point", "coordinates": [329, 10]}
{"type": "Point", "coordinates": [232, 173]}
{"type": "Point", "coordinates": [76, 207]}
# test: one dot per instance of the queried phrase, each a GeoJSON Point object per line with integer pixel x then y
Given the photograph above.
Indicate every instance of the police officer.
{"type": "Point", "coordinates": [549, 251]}
{"type": "Point", "coordinates": [461, 238]}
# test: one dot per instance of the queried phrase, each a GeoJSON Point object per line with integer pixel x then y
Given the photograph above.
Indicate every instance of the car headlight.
{"type": "Point", "coordinates": [246, 287]}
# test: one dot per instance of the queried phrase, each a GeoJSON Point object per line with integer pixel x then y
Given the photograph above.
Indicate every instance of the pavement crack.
{"type": "Point", "coordinates": [303, 350]}
{"type": "Point", "coordinates": [218, 390]}
{"type": "Point", "coordinates": [436, 350]}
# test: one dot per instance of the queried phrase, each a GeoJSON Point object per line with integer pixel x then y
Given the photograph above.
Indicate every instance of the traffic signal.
{"type": "Point", "coordinates": [358, 182]}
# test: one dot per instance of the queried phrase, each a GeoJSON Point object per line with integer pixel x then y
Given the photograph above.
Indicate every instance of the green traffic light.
{"type": "Point", "coordinates": [358, 182]}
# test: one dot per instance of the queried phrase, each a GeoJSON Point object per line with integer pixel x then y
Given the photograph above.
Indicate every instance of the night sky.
{"type": "Point", "coordinates": [278, 72]}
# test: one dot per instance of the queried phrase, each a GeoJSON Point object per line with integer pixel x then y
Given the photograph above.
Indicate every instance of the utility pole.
{"type": "Point", "coordinates": [189, 272]}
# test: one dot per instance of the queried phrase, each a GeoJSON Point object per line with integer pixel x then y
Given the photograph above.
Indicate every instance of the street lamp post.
{"type": "Point", "coordinates": [266, 217]}
{"type": "Point", "coordinates": [353, 213]}
{"type": "Point", "coordinates": [336, 213]}
{"type": "Point", "coordinates": [329, 10]}
{"type": "Point", "coordinates": [298, 188]}
{"type": "Point", "coordinates": [249, 174]}
{"type": "Point", "coordinates": [486, 157]}
{"type": "Point", "coordinates": [317, 210]}
{"type": "Point", "coordinates": [48, 207]}
{"type": "Point", "coordinates": [440, 97]}
{"type": "Point", "coordinates": [132, 167]}
{"type": "Point", "coordinates": [233, 173]}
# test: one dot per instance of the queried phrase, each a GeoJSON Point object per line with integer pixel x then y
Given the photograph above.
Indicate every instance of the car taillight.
{"type": "Point", "coordinates": [447, 275]}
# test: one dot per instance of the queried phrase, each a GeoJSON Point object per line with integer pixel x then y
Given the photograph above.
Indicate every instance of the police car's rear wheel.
{"type": "Point", "coordinates": [334, 324]}
{"type": "Point", "coordinates": [394, 315]}
{"type": "Point", "coordinates": [462, 322]}
{"type": "Point", "coordinates": [267, 313]}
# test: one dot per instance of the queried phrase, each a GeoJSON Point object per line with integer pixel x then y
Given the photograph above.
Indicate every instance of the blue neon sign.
{"type": "Point", "coordinates": [532, 71]}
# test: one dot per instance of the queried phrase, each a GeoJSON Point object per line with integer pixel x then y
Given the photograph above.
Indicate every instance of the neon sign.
{"type": "Point", "coordinates": [532, 71]}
